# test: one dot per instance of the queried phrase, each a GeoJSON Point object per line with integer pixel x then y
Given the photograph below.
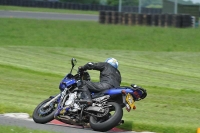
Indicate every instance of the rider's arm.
{"type": "Point", "coordinates": [94, 66]}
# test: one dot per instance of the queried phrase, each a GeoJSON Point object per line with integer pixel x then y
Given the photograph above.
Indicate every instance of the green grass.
{"type": "Point", "coordinates": [35, 9]}
{"type": "Point", "coordinates": [35, 55]}
{"type": "Point", "coordinates": [15, 129]}
{"type": "Point", "coordinates": [94, 35]}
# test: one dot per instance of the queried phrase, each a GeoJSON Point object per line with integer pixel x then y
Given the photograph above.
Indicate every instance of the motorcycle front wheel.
{"type": "Point", "coordinates": [109, 121]}
{"type": "Point", "coordinates": [43, 115]}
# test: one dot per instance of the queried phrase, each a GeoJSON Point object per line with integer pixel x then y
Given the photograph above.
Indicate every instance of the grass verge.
{"type": "Point", "coordinates": [35, 55]}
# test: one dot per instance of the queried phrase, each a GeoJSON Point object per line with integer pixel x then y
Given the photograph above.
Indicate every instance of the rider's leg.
{"type": "Point", "coordinates": [86, 95]}
{"type": "Point", "coordinates": [97, 86]}
{"type": "Point", "coordinates": [87, 87]}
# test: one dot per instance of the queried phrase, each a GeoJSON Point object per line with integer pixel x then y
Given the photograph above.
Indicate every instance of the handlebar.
{"type": "Point", "coordinates": [79, 75]}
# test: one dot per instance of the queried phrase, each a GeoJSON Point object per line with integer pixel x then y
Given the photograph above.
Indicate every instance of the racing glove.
{"type": "Point", "coordinates": [81, 69]}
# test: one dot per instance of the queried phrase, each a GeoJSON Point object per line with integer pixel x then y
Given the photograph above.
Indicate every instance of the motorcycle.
{"type": "Point", "coordinates": [105, 112]}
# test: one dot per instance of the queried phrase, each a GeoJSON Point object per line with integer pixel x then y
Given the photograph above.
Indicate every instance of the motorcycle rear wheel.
{"type": "Point", "coordinates": [107, 123]}
{"type": "Point", "coordinates": [44, 115]}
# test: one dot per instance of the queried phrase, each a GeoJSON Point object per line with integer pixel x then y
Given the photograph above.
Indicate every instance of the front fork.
{"type": "Point", "coordinates": [60, 108]}
{"type": "Point", "coordinates": [52, 100]}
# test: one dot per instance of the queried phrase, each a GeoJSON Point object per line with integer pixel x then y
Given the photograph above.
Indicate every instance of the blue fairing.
{"type": "Point", "coordinates": [67, 81]}
{"type": "Point", "coordinates": [115, 91]}
{"type": "Point", "coordinates": [136, 93]}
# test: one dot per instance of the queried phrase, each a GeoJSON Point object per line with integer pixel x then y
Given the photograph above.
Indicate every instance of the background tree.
{"type": "Point", "coordinates": [130, 2]}
{"type": "Point", "coordinates": [82, 1]}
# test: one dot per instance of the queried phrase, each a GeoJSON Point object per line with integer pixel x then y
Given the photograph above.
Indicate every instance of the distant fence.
{"type": "Point", "coordinates": [143, 9]}
{"type": "Point", "coordinates": [75, 6]}
{"type": "Point", "coordinates": [168, 7]}
{"type": "Point", "coordinates": [58, 5]}
{"type": "Point", "coordinates": [163, 20]}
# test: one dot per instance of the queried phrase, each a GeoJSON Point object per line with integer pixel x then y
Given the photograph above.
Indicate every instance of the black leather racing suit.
{"type": "Point", "coordinates": [110, 77]}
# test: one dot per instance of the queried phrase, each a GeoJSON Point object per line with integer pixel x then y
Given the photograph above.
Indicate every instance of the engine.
{"type": "Point", "coordinates": [73, 107]}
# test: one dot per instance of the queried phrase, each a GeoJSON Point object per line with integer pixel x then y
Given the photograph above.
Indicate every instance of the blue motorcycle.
{"type": "Point", "coordinates": [105, 113]}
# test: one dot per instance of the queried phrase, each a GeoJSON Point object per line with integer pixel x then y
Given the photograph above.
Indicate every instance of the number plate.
{"type": "Point", "coordinates": [130, 101]}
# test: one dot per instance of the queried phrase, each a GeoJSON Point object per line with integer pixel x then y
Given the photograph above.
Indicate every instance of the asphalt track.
{"type": "Point", "coordinates": [48, 16]}
{"type": "Point", "coordinates": [55, 126]}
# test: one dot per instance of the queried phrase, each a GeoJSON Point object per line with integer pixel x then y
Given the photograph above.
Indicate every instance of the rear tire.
{"type": "Point", "coordinates": [110, 122]}
{"type": "Point", "coordinates": [43, 116]}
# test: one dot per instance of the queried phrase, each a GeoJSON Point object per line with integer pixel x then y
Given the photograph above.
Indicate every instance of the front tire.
{"type": "Point", "coordinates": [43, 115]}
{"type": "Point", "coordinates": [110, 122]}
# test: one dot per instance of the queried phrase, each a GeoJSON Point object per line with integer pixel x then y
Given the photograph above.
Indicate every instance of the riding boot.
{"type": "Point", "coordinates": [86, 95]}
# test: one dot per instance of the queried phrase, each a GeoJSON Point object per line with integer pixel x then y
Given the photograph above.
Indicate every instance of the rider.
{"type": "Point", "coordinates": [110, 77]}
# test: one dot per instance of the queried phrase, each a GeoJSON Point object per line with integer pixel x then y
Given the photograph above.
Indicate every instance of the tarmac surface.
{"type": "Point", "coordinates": [48, 15]}
{"type": "Point", "coordinates": [23, 120]}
